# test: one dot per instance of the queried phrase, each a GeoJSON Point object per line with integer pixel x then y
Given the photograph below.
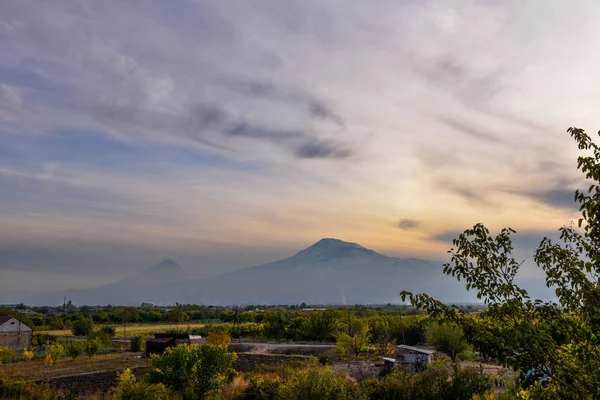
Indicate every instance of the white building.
{"type": "Point", "coordinates": [14, 334]}
{"type": "Point", "coordinates": [414, 355]}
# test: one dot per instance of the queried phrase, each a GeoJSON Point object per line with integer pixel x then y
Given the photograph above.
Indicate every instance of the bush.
{"type": "Point", "coordinates": [130, 389]}
{"type": "Point", "coordinates": [7, 355]}
{"type": "Point", "coordinates": [110, 331]}
{"type": "Point", "coordinates": [193, 371]}
{"type": "Point", "coordinates": [100, 336]}
{"type": "Point", "coordinates": [436, 383]}
{"type": "Point", "coordinates": [54, 353]}
{"type": "Point", "coordinates": [309, 382]}
{"type": "Point", "coordinates": [20, 390]}
{"type": "Point", "coordinates": [83, 326]}
{"type": "Point", "coordinates": [138, 343]}
{"type": "Point", "coordinates": [448, 338]}
{"type": "Point", "coordinates": [218, 338]}
{"type": "Point", "coordinates": [74, 348]}
{"type": "Point", "coordinates": [27, 355]}
{"type": "Point", "coordinates": [92, 347]}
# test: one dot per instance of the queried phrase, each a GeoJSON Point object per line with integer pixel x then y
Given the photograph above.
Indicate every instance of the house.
{"type": "Point", "coordinates": [14, 334]}
{"type": "Point", "coordinates": [163, 341]}
{"type": "Point", "coordinates": [414, 356]}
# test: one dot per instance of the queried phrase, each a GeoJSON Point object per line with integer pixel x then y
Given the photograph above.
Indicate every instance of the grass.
{"type": "Point", "coordinates": [36, 369]}
{"type": "Point", "coordinates": [132, 329]}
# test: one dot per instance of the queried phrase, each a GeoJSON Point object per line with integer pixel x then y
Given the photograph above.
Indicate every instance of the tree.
{"type": "Point", "coordinates": [74, 348]}
{"type": "Point", "coordinates": [193, 371]}
{"type": "Point", "coordinates": [138, 343]}
{"type": "Point", "coordinates": [177, 315]}
{"type": "Point", "coordinates": [92, 347]}
{"type": "Point", "coordinates": [354, 339]}
{"type": "Point", "coordinates": [557, 340]}
{"type": "Point", "coordinates": [448, 338]}
{"type": "Point", "coordinates": [83, 326]}
{"type": "Point", "coordinates": [110, 331]}
{"type": "Point", "coordinates": [218, 338]}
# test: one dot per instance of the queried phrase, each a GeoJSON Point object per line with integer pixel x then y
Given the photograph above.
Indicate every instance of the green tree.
{"type": "Point", "coordinates": [92, 347]}
{"type": "Point", "coordinates": [129, 388]}
{"type": "Point", "coordinates": [74, 348]}
{"type": "Point", "coordinates": [83, 326]}
{"type": "Point", "coordinates": [354, 339]}
{"type": "Point", "coordinates": [276, 325]}
{"type": "Point", "coordinates": [559, 340]}
{"type": "Point", "coordinates": [448, 338]}
{"type": "Point", "coordinates": [110, 331]}
{"type": "Point", "coordinates": [138, 343]}
{"type": "Point", "coordinates": [177, 315]}
{"type": "Point", "coordinates": [193, 371]}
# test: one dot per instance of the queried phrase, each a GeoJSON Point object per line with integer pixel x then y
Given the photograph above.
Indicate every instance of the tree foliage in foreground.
{"type": "Point", "coordinates": [193, 371]}
{"type": "Point", "coordinates": [543, 339]}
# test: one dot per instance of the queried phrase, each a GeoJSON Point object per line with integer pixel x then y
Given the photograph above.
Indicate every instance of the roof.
{"type": "Point", "coordinates": [161, 340]}
{"type": "Point", "coordinates": [5, 319]}
{"type": "Point", "coordinates": [416, 349]}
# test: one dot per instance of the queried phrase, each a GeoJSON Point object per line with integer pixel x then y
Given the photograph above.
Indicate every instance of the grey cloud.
{"type": "Point", "coordinates": [316, 108]}
{"type": "Point", "coordinates": [469, 194]}
{"type": "Point", "coordinates": [560, 198]}
{"type": "Point", "coordinates": [407, 224]}
{"type": "Point", "coordinates": [258, 132]}
{"type": "Point", "coordinates": [470, 130]}
{"type": "Point", "coordinates": [474, 89]}
{"type": "Point", "coordinates": [314, 148]}
{"type": "Point", "coordinates": [28, 78]}
{"type": "Point", "coordinates": [320, 110]}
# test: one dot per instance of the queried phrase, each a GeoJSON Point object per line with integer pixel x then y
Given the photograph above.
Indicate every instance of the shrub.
{"type": "Point", "coordinates": [54, 353]}
{"type": "Point", "coordinates": [309, 382]}
{"type": "Point", "coordinates": [92, 347]}
{"type": "Point", "coordinates": [74, 348]}
{"type": "Point", "coordinates": [27, 355]}
{"type": "Point", "coordinates": [83, 326]}
{"type": "Point", "coordinates": [138, 343]}
{"type": "Point", "coordinates": [110, 331]}
{"type": "Point", "coordinates": [218, 338]}
{"type": "Point", "coordinates": [130, 389]}
{"type": "Point", "coordinates": [19, 389]}
{"type": "Point", "coordinates": [7, 355]}
{"type": "Point", "coordinates": [100, 336]}
{"type": "Point", "coordinates": [193, 371]}
{"type": "Point", "coordinates": [436, 383]}
{"type": "Point", "coordinates": [448, 338]}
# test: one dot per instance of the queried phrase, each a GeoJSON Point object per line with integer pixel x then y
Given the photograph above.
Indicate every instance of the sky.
{"type": "Point", "coordinates": [225, 134]}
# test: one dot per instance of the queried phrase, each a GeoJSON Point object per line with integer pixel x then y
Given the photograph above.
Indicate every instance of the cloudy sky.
{"type": "Point", "coordinates": [228, 133]}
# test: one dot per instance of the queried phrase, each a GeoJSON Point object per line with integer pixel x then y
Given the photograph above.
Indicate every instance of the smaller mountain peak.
{"type": "Point", "coordinates": [168, 263]}
{"type": "Point", "coordinates": [168, 266]}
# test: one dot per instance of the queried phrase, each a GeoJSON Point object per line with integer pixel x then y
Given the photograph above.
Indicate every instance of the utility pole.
{"type": "Point", "coordinates": [401, 325]}
{"type": "Point", "coordinates": [234, 322]}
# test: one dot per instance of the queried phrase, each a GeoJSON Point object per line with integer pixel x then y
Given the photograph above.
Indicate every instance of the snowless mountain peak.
{"type": "Point", "coordinates": [167, 265]}
{"type": "Point", "coordinates": [331, 248]}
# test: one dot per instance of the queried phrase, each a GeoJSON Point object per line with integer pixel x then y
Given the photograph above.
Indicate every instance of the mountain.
{"type": "Point", "coordinates": [330, 271]}
{"type": "Point", "coordinates": [146, 286]}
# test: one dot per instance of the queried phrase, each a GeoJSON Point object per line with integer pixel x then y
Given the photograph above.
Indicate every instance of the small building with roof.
{"type": "Point", "coordinates": [163, 341]}
{"type": "Point", "coordinates": [14, 334]}
{"type": "Point", "coordinates": [413, 355]}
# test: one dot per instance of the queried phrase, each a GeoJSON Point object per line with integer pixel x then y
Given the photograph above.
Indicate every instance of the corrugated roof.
{"type": "Point", "coordinates": [4, 319]}
{"type": "Point", "coordinates": [160, 340]}
{"type": "Point", "coordinates": [416, 349]}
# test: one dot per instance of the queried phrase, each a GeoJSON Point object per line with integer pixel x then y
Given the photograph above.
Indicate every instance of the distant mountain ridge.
{"type": "Point", "coordinates": [331, 271]}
